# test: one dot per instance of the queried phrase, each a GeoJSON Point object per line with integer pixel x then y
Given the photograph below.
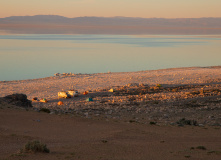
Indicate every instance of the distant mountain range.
{"type": "Point", "coordinates": [53, 24]}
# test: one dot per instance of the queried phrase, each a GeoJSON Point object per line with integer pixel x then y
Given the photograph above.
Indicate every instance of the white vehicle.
{"type": "Point", "coordinates": [63, 95]}
{"type": "Point", "coordinates": [73, 93]}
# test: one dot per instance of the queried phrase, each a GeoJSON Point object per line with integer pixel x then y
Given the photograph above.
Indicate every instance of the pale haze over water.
{"type": "Point", "coordinates": [107, 8]}
{"type": "Point", "coordinates": [36, 56]}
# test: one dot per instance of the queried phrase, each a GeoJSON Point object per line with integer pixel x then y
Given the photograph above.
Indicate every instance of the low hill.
{"type": "Point", "coordinates": [55, 24]}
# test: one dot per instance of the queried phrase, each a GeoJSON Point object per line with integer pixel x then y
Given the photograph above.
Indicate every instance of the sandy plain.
{"type": "Point", "coordinates": [117, 125]}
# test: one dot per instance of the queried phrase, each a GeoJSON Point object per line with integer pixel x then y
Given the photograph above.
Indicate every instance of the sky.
{"type": "Point", "coordinates": [112, 8]}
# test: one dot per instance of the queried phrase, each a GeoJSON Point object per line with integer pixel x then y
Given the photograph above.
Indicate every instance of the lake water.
{"type": "Point", "coordinates": [37, 56]}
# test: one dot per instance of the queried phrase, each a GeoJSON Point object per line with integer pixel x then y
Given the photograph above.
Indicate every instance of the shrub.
{"type": "Point", "coordinates": [36, 146]}
{"type": "Point", "coordinates": [156, 102]}
{"type": "Point", "coordinates": [132, 121]}
{"type": "Point", "coordinates": [201, 147]}
{"type": "Point", "coordinates": [153, 123]}
{"type": "Point", "coordinates": [184, 121]}
{"type": "Point", "coordinates": [45, 110]}
{"type": "Point", "coordinates": [104, 141]}
{"type": "Point", "coordinates": [216, 152]}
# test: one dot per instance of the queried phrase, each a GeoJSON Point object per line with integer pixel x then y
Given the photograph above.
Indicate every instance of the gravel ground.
{"type": "Point", "coordinates": [176, 96]}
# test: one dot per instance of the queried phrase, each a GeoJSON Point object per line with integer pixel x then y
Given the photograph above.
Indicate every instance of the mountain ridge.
{"type": "Point", "coordinates": [112, 25]}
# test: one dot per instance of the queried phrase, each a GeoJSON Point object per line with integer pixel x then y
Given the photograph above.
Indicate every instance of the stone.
{"type": "Point", "coordinates": [18, 100]}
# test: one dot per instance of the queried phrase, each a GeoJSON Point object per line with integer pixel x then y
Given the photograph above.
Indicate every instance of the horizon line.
{"type": "Point", "coordinates": [108, 17]}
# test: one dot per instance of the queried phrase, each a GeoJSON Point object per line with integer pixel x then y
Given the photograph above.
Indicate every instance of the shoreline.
{"type": "Point", "coordinates": [164, 69]}
{"type": "Point", "coordinates": [96, 81]}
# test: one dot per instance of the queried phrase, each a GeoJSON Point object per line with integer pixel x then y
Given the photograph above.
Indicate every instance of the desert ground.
{"type": "Point", "coordinates": [160, 114]}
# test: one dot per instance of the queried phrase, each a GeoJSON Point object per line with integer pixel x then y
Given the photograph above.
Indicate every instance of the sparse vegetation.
{"type": "Point", "coordinates": [187, 156]}
{"type": "Point", "coordinates": [18, 155]}
{"type": "Point", "coordinates": [35, 146]}
{"type": "Point", "coordinates": [214, 152]}
{"type": "Point", "coordinates": [13, 135]}
{"type": "Point", "coordinates": [73, 153]}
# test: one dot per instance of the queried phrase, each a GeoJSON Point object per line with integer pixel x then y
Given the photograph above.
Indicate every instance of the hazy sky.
{"type": "Point", "coordinates": [111, 8]}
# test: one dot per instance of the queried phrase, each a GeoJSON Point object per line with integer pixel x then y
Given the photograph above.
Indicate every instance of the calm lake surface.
{"type": "Point", "coordinates": [37, 56]}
